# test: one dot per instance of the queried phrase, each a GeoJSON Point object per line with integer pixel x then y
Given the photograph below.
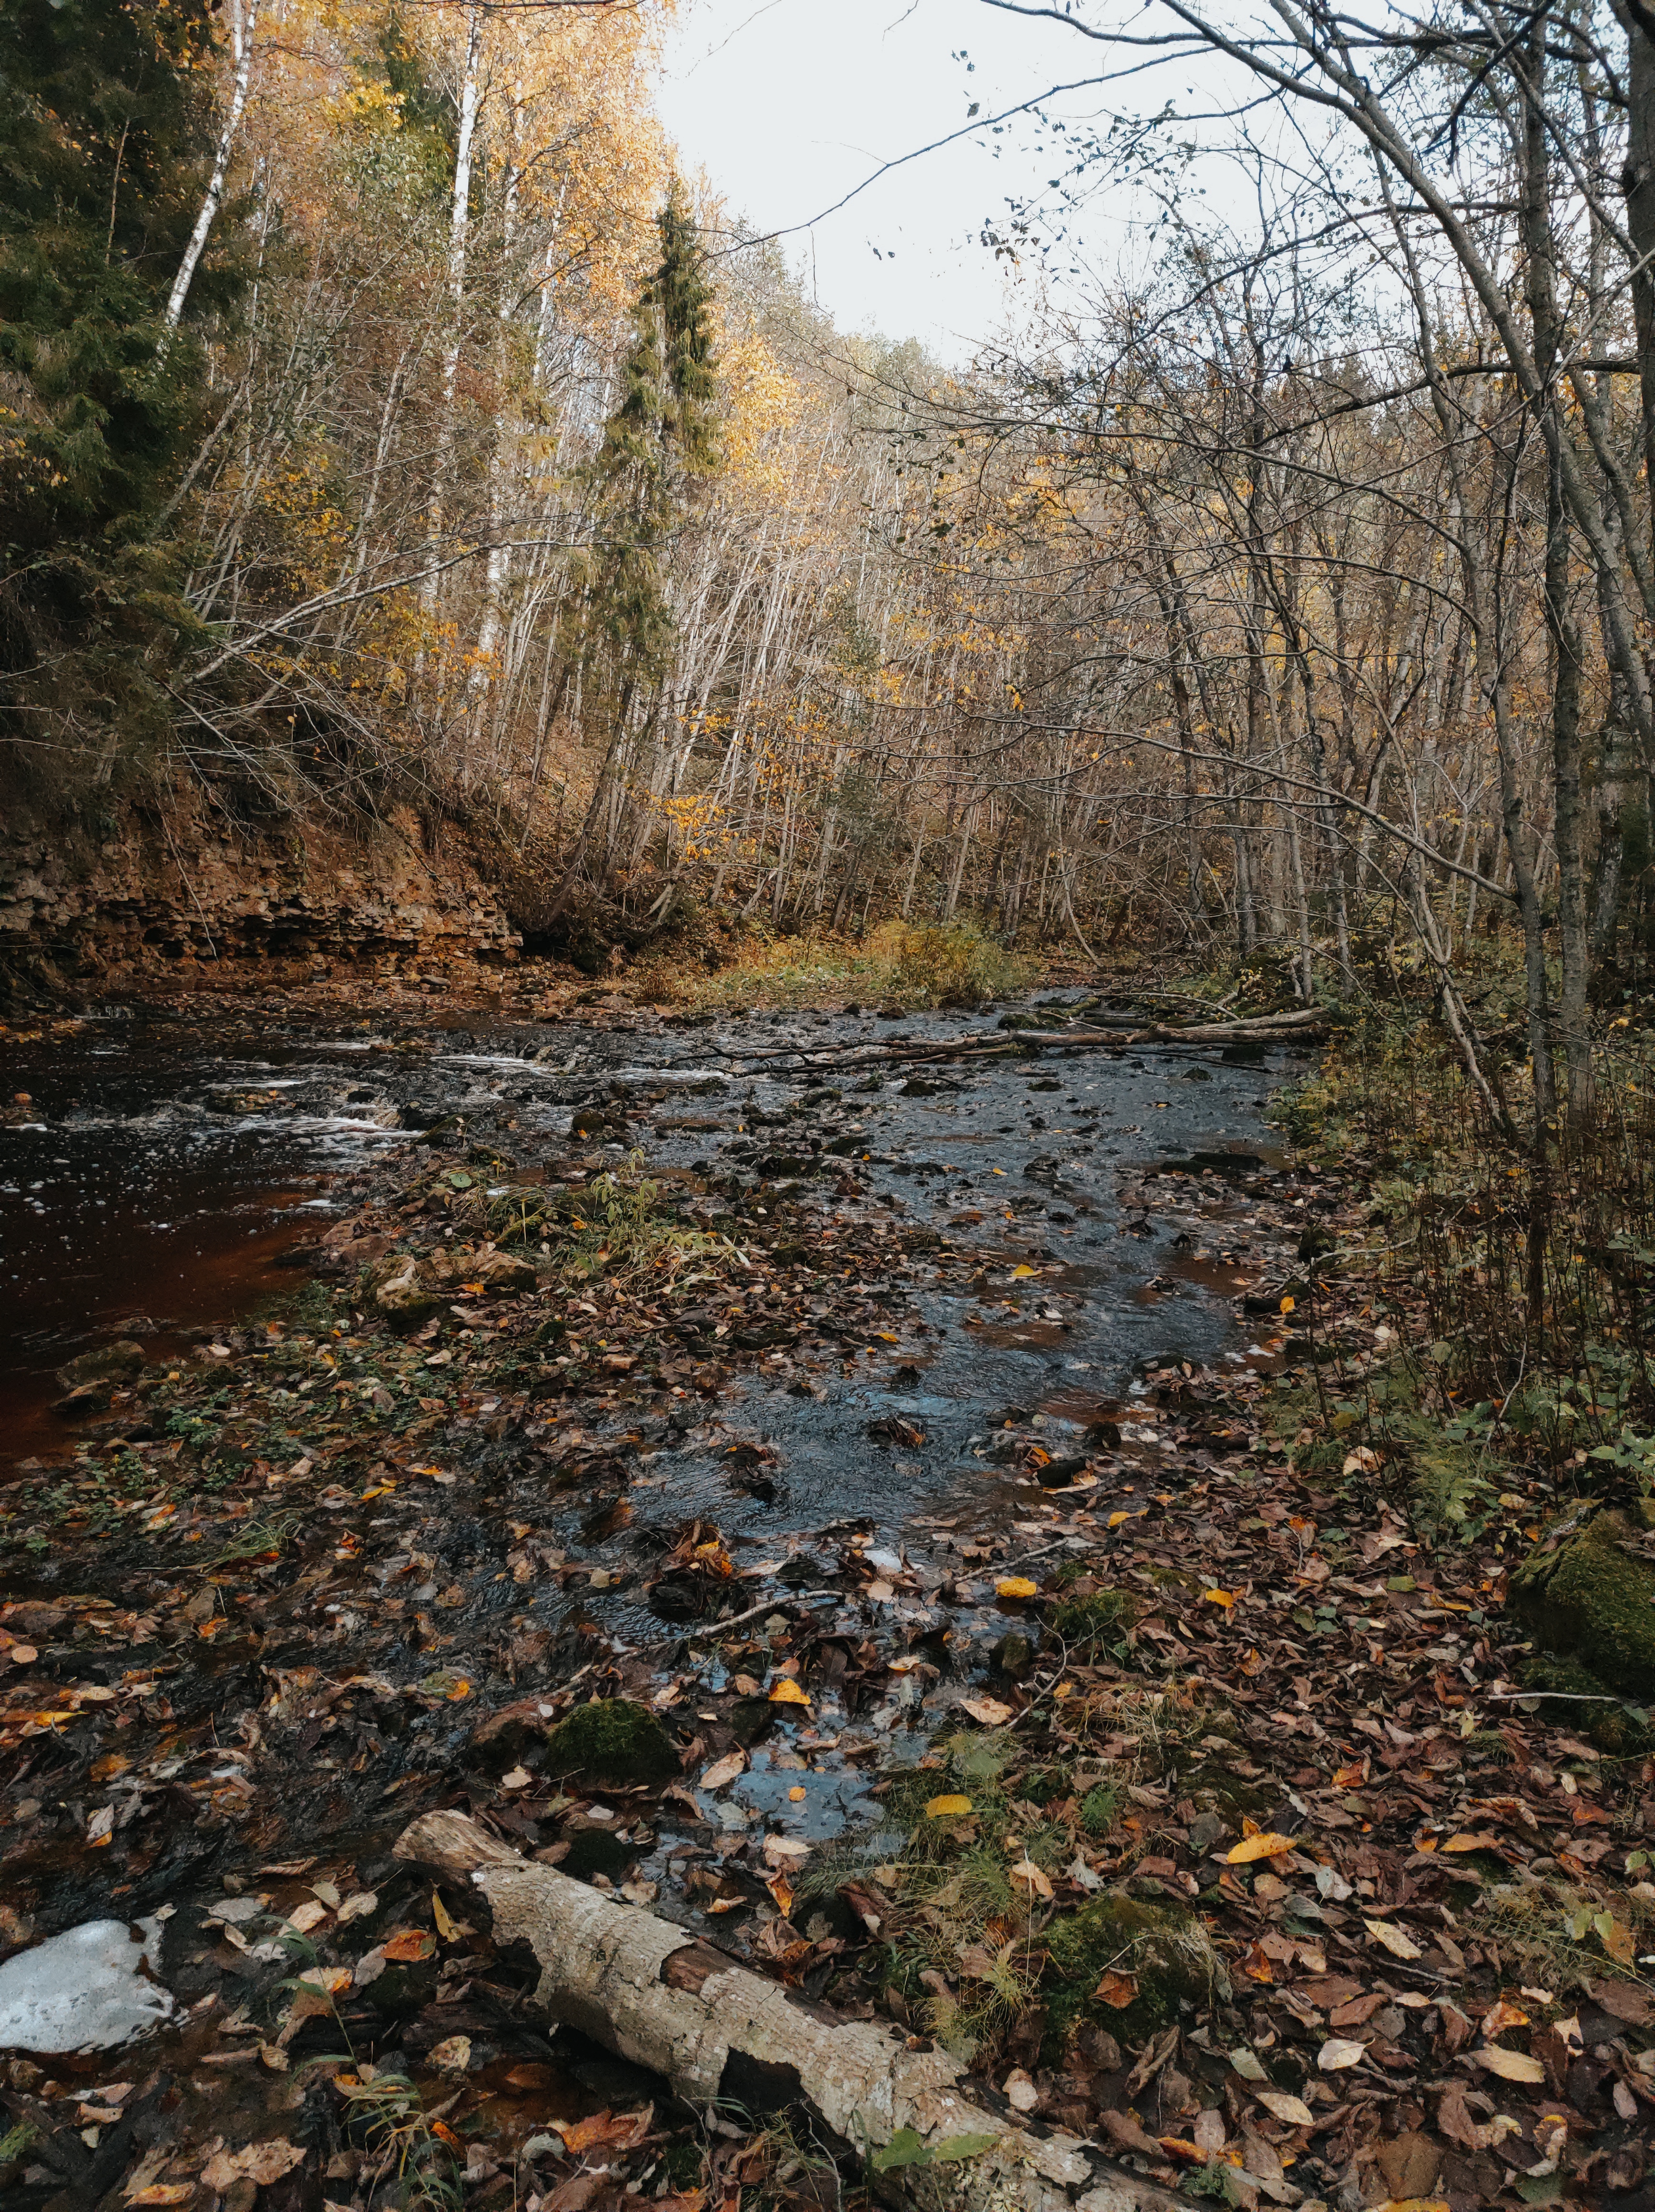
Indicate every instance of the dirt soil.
{"type": "Point", "coordinates": [1181, 1788]}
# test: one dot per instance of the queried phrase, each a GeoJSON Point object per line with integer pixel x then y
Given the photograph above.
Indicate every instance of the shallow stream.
{"type": "Point", "coordinates": [155, 1175]}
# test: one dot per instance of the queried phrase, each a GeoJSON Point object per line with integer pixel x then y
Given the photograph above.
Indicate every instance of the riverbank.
{"type": "Point", "coordinates": [1131, 1741]}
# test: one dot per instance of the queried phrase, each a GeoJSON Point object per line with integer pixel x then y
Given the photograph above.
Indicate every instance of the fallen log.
{"type": "Point", "coordinates": [715, 2031]}
{"type": "Point", "coordinates": [986, 1044]}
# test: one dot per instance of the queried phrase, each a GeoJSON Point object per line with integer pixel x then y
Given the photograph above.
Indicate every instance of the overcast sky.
{"type": "Point", "coordinates": [787, 106]}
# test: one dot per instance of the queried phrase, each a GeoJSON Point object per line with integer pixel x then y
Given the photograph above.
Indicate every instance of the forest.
{"type": "Point", "coordinates": [646, 1550]}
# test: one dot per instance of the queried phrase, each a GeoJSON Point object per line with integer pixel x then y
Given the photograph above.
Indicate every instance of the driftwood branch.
{"type": "Point", "coordinates": [716, 2031]}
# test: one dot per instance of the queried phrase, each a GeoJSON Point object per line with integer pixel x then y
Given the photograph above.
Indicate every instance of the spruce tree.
{"type": "Point", "coordinates": [662, 434]}
{"type": "Point", "coordinates": [105, 142]}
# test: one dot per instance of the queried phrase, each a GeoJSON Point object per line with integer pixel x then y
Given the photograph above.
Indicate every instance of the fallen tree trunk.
{"type": "Point", "coordinates": [716, 2032]}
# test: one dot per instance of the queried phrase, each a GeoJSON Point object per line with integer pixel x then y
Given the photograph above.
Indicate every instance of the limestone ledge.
{"type": "Point", "coordinates": [161, 891]}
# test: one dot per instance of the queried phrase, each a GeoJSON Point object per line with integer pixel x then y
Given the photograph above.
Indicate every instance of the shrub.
{"type": "Point", "coordinates": [955, 966]}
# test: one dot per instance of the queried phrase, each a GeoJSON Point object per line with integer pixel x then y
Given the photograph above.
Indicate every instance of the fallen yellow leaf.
{"type": "Point", "coordinates": [1269, 1847]}
{"type": "Point", "coordinates": [1016, 1586]}
{"type": "Point", "coordinates": [786, 1692]}
{"type": "Point", "coordinates": [1021, 1271]}
{"type": "Point", "coordinates": [1281, 2104]}
{"type": "Point", "coordinates": [1399, 1943]}
{"type": "Point", "coordinates": [1226, 1598]}
{"type": "Point", "coordinates": [948, 1809]}
{"type": "Point", "coordinates": [1512, 2065]}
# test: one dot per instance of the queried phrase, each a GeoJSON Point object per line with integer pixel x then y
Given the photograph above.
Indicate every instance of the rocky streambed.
{"type": "Point", "coordinates": [838, 1506]}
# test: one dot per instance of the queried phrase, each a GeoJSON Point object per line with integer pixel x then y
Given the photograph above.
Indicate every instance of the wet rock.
{"type": "Point", "coordinates": [405, 1299]}
{"type": "Point", "coordinates": [612, 1740]}
{"type": "Point", "coordinates": [106, 1364]}
{"type": "Point", "coordinates": [508, 1735]}
{"type": "Point", "coordinates": [87, 1398]}
{"type": "Point", "coordinates": [750, 1718]}
{"type": "Point", "coordinates": [1014, 1654]}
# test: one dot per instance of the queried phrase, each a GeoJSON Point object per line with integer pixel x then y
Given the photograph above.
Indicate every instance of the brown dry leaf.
{"type": "Point", "coordinates": [453, 2055]}
{"type": "Point", "coordinates": [309, 1915]}
{"type": "Point", "coordinates": [616, 2130]}
{"type": "Point", "coordinates": [447, 1927]}
{"type": "Point", "coordinates": [1465, 1842]}
{"type": "Point", "coordinates": [723, 1771]}
{"type": "Point", "coordinates": [1031, 1879]}
{"type": "Point", "coordinates": [989, 1710]}
{"type": "Point", "coordinates": [261, 2162]}
{"type": "Point", "coordinates": [1267, 1846]}
{"type": "Point", "coordinates": [1454, 2120]}
{"type": "Point", "coordinates": [1116, 1989]}
{"type": "Point", "coordinates": [1624, 2001]}
{"type": "Point", "coordinates": [162, 2192]}
{"type": "Point", "coordinates": [1616, 1938]}
{"type": "Point", "coordinates": [1127, 2131]}
{"type": "Point", "coordinates": [1500, 2016]}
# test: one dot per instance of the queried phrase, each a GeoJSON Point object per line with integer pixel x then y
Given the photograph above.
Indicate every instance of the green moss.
{"type": "Point", "coordinates": [1611, 1728]}
{"type": "Point", "coordinates": [1163, 1948]}
{"type": "Point", "coordinates": [612, 1740]}
{"type": "Point", "coordinates": [1084, 1623]}
{"type": "Point", "coordinates": [1591, 1600]}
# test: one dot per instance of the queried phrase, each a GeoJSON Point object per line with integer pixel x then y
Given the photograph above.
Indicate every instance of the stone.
{"type": "Point", "coordinates": [503, 1274]}
{"type": "Point", "coordinates": [106, 1363]}
{"type": "Point", "coordinates": [1588, 1594]}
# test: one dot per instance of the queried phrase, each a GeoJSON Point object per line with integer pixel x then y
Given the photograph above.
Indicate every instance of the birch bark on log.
{"type": "Point", "coordinates": [651, 1992]}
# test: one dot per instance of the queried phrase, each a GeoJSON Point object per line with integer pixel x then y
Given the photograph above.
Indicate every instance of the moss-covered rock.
{"type": "Point", "coordinates": [1609, 1726]}
{"type": "Point", "coordinates": [1590, 1597]}
{"type": "Point", "coordinates": [109, 1363]}
{"type": "Point", "coordinates": [1162, 1948]}
{"type": "Point", "coordinates": [611, 1740]}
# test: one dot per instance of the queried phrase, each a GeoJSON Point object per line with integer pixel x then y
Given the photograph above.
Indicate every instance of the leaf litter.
{"type": "Point", "coordinates": [1184, 1792]}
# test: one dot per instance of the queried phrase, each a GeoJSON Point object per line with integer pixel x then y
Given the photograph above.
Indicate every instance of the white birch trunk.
{"type": "Point", "coordinates": [241, 37]}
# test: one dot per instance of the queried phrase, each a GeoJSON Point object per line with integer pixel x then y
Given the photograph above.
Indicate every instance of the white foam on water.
{"type": "Point", "coordinates": [84, 1990]}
